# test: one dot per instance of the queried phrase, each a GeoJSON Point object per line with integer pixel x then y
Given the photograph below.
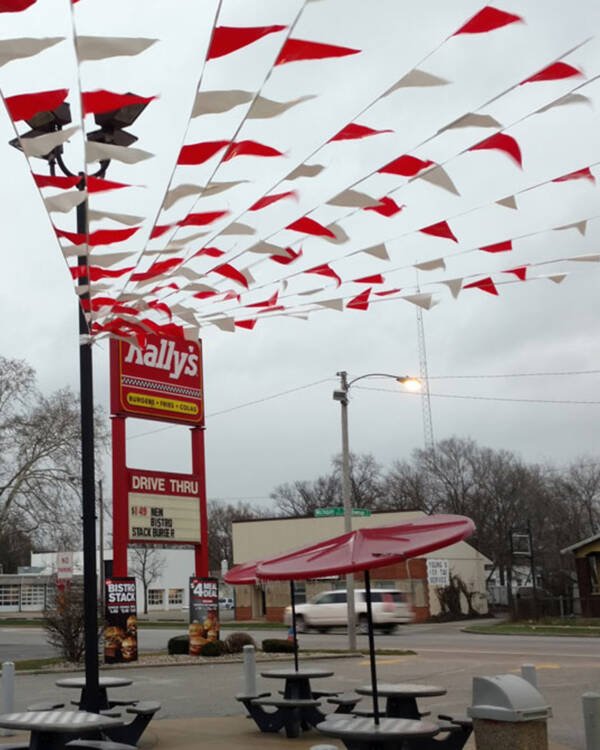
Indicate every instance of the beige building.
{"type": "Point", "coordinates": [259, 539]}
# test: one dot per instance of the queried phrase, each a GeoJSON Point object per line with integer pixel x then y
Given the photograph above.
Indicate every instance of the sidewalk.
{"type": "Point", "coordinates": [231, 732]}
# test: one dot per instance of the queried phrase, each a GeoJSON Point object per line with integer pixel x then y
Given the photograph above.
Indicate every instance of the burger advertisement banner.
{"type": "Point", "coordinates": [120, 621]}
{"type": "Point", "coordinates": [204, 613]}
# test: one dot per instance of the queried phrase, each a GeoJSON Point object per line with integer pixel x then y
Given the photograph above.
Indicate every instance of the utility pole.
{"type": "Point", "coordinates": [347, 503]}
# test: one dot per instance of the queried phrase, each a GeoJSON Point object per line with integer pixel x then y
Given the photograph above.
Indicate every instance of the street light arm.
{"type": "Point", "coordinates": [398, 378]}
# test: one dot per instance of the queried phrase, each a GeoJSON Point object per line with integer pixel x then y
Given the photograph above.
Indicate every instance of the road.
{"type": "Point", "coordinates": [567, 667]}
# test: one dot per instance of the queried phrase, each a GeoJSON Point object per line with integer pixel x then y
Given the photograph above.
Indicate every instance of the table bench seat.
{"type": "Point", "coordinates": [45, 706]}
{"type": "Point", "coordinates": [344, 703]}
{"type": "Point", "coordinates": [130, 733]}
{"type": "Point", "coordinates": [291, 714]}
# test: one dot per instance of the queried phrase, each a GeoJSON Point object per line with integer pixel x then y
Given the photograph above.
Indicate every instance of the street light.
{"type": "Point", "coordinates": [111, 124]}
{"type": "Point", "coordinates": [341, 395]}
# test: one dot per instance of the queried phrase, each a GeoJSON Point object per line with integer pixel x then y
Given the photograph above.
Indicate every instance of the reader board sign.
{"type": "Point", "coordinates": [120, 621]}
{"type": "Point", "coordinates": [64, 566]}
{"type": "Point", "coordinates": [204, 613]}
{"type": "Point", "coordinates": [163, 508]}
{"type": "Point", "coordinates": [162, 380]}
{"type": "Point", "coordinates": [438, 573]}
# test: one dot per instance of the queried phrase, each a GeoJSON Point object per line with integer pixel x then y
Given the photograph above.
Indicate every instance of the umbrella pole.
{"type": "Point", "coordinates": [372, 648]}
{"type": "Point", "coordinates": [293, 598]}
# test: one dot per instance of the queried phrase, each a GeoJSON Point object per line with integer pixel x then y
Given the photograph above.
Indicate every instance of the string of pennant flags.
{"type": "Point", "coordinates": [267, 203]}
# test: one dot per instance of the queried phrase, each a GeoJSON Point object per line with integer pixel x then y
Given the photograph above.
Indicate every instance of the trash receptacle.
{"type": "Point", "coordinates": [508, 712]}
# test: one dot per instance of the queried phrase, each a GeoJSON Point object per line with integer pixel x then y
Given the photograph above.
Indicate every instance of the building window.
{"type": "Point", "coordinates": [32, 595]}
{"type": "Point", "coordinates": [175, 596]}
{"type": "Point", "coordinates": [9, 595]}
{"type": "Point", "coordinates": [299, 592]}
{"type": "Point", "coordinates": [156, 597]}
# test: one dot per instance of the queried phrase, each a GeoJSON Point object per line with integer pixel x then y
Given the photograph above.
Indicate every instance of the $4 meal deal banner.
{"type": "Point", "coordinates": [204, 613]}
{"type": "Point", "coordinates": [120, 621]}
{"type": "Point", "coordinates": [164, 508]}
{"type": "Point", "coordinates": [161, 381]}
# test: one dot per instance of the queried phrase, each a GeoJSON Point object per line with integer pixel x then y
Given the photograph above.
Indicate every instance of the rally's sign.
{"type": "Point", "coordinates": [162, 380]}
{"type": "Point", "coordinates": [163, 508]}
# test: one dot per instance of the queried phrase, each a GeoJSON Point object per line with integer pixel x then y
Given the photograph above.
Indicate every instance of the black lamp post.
{"type": "Point", "coordinates": [111, 131]}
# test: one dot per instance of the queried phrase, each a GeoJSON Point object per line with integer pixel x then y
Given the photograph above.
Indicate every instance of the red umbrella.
{"type": "Point", "coordinates": [364, 549]}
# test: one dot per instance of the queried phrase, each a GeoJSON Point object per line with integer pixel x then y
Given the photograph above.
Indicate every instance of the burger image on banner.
{"type": "Point", "coordinates": [120, 629]}
{"type": "Point", "coordinates": [204, 613]}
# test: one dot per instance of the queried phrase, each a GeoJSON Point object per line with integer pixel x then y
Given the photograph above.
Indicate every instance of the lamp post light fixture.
{"type": "Point", "coordinates": [341, 395]}
{"type": "Point", "coordinates": [111, 123]}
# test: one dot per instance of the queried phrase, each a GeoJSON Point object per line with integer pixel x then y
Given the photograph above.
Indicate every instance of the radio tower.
{"type": "Point", "coordinates": [424, 376]}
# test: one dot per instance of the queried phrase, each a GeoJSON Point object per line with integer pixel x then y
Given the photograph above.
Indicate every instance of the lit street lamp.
{"type": "Point", "coordinates": [341, 395]}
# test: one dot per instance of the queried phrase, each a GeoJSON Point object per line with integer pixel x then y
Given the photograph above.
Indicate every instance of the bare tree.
{"type": "Point", "coordinates": [146, 563]}
{"type": "Point", "coordinates": [39, 457]}
{"type": "Point", "coordinates": [220, 518]}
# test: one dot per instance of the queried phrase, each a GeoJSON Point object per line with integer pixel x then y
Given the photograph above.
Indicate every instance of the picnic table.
{"type": "Point", "coordinates": [297, 682]}
{"type": "Point", "coordinates": [390, 734]}
{"type": "Point", "coordinates": [78, 683]}
{"type": "Point", "coordinates": [401, 697]}
{"type": "Point", "coordinates": [51, 730]}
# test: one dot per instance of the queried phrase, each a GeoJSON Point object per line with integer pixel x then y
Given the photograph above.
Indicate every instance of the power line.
{"type": "Point", "coordinates": [486, 398]}
{"type": "Point", "coordinates": [517, 375]}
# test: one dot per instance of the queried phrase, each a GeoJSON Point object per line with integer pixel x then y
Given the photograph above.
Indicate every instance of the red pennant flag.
{"type": "Point", "coordinates": [270, 302]}
{"type": "Point", "coordinates": [310, 226]}
{"type": "Point", "coordinates": [487, 19]}
{"type": "Point", "coordinates": [161, 307]}
{"type": "Point", "coordinates": [325, 270]}
{"type": "Point", "coordinates": [95, 273]}
{"type": "Point", "coordinates": [205, 295]}
{"type": "Point", "coordinates": [97, 102]}
{"type": "Point", "coordinates": [267, 200]}
{"type": "Point", "coordinates": [227, 39]}
{"type": "Point", "coordinates": [211, 252]}
{"type": "Point", "coordinates": [158, 268]}
{"type": "Point", "coordinates": [377, 278]}
{"type": "Point", "coordinates": [15, 6]}
{"type": "Point", "coordinates": [65, 183]}
{"type": "Point", "coordinates": [501, 142]}
{"type": "Point", "coordinates": [198, 153]}
{"type": "Point", "coordinates": [285, 260]}
{"type": "Point", "coordinates": [486, 285]}
{"type": "Point", "coordinates": [100, 237]}
{"type": "Point", "coordinates": [554, 72]}
{"type": "Point", "coordinates": [201, 219]}
{"type": "Point", "coordinates": [232, 273]}
{"type": "Point", "coordinates": [406, 166]}
{"type": "Point", "coordinates": [441, 229]}
{"type": "Point", "coordinates": [250, 148]}
{"type": "Point", "coordinates": [361, 301]}
{"type": "Point", "coordinates": [353, 132]}
{"type": "Point", "coordinates": [580, 174]}
{"type": "Point", "coordinates": [386, 207]}
{"type": "Point", "coordinates": [99, 185]}
{"type": "Point", "coordinates": [498, 247]}
{"type": "Point", "coordinates": [231, 295]}
{"type": "Point", "coordinates": [25, 106]}
{"type": "Point", "coordinates": [520, 272]}
{"type": "Point", "coordinates": [158, 289]}
{"type": "Point", "coordinates": [249, 324]}
{"type": "Point", "coordinates": [295, 50]}
{"type": "Point", "coordinates": [159, 230]}
{"type": "Point", "coordinates": [272, 309]}
{"type": "Point", "coordinates": [388, 291]}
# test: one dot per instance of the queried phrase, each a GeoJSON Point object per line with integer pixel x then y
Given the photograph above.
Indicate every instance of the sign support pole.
{"type": "Point", "coordinates": [199, 468]}
{"type": "Point", "coordinates": [120, 490]}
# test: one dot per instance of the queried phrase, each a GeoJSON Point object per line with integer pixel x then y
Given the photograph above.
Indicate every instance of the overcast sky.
{"type": "Point", "coordinates": [534, 327]}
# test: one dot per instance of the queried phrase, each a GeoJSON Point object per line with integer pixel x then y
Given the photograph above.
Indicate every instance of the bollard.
{"type": "Point", "coordinates": [8, 692]}
{"type": "Point", "coordinates": [591, 720]}
{"type": "Point", "coordinates": [249, 671]}
{"type": "Point", "coordinates": [528, 673]}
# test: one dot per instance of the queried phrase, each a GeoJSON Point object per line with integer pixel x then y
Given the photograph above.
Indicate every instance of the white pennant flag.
{"type": "Point", "coordinates": [423, 300]}
{"type": "Point", "coordinates": [65, 202]}
{"type": "Point", "coordinates": [431, 265]}
{"type": "Point", "coordinates": [181, 191]}
{"type": "Point", "coordinates": [305, 170]}
{"type": "Point", "coordinates": [44, 144]}
{"type": "Point", "coordinates": [417, 79]}
{"type": "Point", "coordinates": [557, 278]}
{"type": "Point", "coordinates": [237, 227]}
{"type": "Point", "coordinates": [128, 219]}
{"type": "Point", "coordinates": [440, 178]}
{"type": "Point", "coordinates": [377, 251]}
{"type": "Point", "coordinates": [102, 47]}
{"type": "Point", "coordinates": [580, 226]}
{"type": "Point", "coordinates": [125, 154]}
{"type": "Point", "coordinates": [454, 285]}
{"type": "Point", "coordinates": [17, 49]}
{"type": "Point", "coordinates": [264, 108]}
{"type": "Point", "coordinates": [332, 304]}
{"type": "Point", "coordinates": [225, 324]}
{"type": "Point", "coordinates": [216, 102]}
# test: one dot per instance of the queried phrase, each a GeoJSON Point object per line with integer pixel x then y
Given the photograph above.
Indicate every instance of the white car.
{"type": "Point", "coordinates": [328, 609]}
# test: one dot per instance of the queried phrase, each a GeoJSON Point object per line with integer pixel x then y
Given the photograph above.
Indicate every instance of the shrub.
{"type": "Point", "coordinates": [179, 644]}
{"type": "Point", "coordinates": [64, 623]}
{"type": "Point", "coordinates": [235, 642]}
{"type": "Point", "coordinates": [212, 648]}
{"type": "Point", "coordinates": [278, 646]}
